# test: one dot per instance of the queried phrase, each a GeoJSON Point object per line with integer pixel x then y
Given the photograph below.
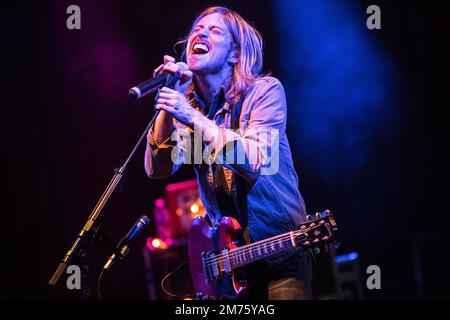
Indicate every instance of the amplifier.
{"type": "Point", "coordinates": [174, 214]}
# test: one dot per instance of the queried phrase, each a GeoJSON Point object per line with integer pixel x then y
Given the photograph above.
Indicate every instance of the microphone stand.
{"type": "Point", "coordinates": [88, 226]}
{"type": "Point", "coordinates": [81, 259]}
{"type": "Point", "coordinates": [76, 249]}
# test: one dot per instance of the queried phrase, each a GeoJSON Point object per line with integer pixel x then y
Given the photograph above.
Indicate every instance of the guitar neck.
{"type": "Point", "coordinates": [244, 255]}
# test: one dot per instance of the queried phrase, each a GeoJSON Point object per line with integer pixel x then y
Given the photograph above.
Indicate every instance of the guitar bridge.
{"type": "Point", "coordinates": [215, 265]}
{"type": "Point", "coordinates": [210, 266]}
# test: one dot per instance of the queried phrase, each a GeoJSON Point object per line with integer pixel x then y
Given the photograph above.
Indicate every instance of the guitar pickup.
{"type": "Point", "coordinates": [210, 267]}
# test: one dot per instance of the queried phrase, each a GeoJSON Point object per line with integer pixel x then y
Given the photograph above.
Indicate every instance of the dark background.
{"type": "Point", "coordinates": [67, 123]}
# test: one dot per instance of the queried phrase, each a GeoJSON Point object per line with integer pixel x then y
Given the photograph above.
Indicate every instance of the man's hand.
{"type": "Point", "coordinates": [175, 103]}
{"type": "Point", "coordinates": [164, 122]}
{"type": "Point", "coordinates": [171, 67]}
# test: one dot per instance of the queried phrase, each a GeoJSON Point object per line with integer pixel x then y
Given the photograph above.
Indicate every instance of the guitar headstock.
{"type": "Point", "coordinates": [318, 230]}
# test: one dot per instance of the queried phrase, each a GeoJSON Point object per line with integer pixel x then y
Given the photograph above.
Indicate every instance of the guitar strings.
{"type": "Point", "coordinates": [249, 247]}
{"type": "Point", "coordinates": [252, 247]}
{"type": "Point", "coordinates": [245, 249]}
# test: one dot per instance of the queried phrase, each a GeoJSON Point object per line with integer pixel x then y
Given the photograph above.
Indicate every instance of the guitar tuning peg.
{"type": "Point", "coordinates": [318, 215]}
{"type": "Point", "coordinates": [326, 213]}
{"type": "Point", "coordinates": [309, 217]}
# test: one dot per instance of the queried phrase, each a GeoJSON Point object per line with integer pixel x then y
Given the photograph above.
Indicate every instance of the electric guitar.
{"type": "Point", "coordinates": [214, 254]}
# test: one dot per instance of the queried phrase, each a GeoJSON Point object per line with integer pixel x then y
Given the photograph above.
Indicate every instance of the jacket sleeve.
{"type": "Point", "coordinates": [254, 151]}
{"type": "Point", "coordinates": [158, 160]}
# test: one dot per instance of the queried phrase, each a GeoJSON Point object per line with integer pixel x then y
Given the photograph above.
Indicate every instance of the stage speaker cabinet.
{"type": "Point", "coordinates": [337, 277]}
{"type": "Point", "coordinates": [161, 262]}
{"type": "Point", "coordinates": [432, 264]}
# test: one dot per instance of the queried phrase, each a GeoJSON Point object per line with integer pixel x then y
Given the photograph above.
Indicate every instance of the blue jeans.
{"type": "Point", "coordinates": [291, 280]}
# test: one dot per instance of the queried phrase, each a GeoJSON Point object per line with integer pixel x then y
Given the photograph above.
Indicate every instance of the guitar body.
{"type": "Point", "coordinates": [202, 239]}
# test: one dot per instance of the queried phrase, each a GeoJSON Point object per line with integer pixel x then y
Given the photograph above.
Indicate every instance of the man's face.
{"type": "Point", "coordinates": [209, 46]}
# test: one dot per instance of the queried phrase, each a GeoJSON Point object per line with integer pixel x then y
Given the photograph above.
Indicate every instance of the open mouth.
{"type": "Point", "coordinates": [200, 48]}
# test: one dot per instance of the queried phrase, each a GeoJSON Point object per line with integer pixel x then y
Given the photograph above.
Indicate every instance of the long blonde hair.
{"type": "Point", "coordinates": [249, 45]}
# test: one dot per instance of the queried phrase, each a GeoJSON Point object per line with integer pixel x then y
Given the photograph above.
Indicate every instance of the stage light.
{"type": "Point", "coordinates": [155, 244]}
{"type": "Point", "coordinates": [195, 208]}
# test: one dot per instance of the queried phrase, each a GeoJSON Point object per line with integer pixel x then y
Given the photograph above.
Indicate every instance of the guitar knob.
{"type": "Point", "coordinates": [316, 250]}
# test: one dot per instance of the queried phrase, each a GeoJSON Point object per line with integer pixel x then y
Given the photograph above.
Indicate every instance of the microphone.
{"type": "Point", "coordinates": [161, 80]}
{"type": "Point", "coordinates": [124, 245]}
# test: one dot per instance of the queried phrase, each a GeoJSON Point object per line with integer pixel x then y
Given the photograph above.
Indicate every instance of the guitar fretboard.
{"type": "Point", "coordinates": [262, 249]}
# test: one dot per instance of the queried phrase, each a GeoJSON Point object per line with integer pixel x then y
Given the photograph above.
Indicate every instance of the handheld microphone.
{"type": "Point", "coordinates": [125, 244]}
{"type": "Point", "coordinates": [168, 80]}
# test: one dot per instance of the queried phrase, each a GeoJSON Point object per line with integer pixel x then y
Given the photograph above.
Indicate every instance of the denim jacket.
{"type": "Point", "coordinates": [261, 190]}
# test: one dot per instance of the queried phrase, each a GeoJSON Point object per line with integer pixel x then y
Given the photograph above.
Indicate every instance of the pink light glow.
{"type": "Point", "coordinates": [182, 185]}
{"type": "Point", "coordinates": [160, 203]}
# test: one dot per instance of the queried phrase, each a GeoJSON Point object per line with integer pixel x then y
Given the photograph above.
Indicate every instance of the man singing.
{"type": "Point", "coordinates": [224, 90]}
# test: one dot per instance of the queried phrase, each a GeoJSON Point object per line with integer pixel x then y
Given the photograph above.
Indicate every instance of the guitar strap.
{"type": "Point", "coordinates": [230, 206]}
{"type": "Point", "coordinates": [241, 183]}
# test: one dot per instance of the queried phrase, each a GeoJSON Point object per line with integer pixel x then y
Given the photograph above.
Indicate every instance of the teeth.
{"type": "Point", "coordinates": [201, 46]}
